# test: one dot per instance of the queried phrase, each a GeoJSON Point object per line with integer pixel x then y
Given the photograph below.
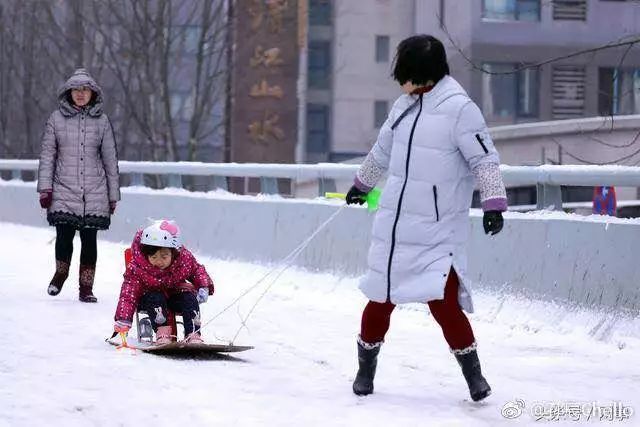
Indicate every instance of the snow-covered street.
{"type": "Point", "coordinates": [56, 369]}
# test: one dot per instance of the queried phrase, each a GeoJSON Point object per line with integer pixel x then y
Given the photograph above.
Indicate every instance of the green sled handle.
{"type": "Point", "coordinates": [372, 198]}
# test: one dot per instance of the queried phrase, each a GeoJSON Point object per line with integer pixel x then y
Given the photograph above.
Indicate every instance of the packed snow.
{"type": "Point", "coordinates": [56, 369]}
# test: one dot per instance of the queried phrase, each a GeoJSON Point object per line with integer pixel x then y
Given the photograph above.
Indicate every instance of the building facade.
{"type": "Point", "coordinates": [500, 36]}
{"type": "Point", "coordinates": [351, 50]}
{"type": "Point", "coordinates": [351, 46]}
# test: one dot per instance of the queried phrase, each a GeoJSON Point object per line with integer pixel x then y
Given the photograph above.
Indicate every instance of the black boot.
{"type": "Point", "coordinates": [468, 361]}
{"type": "Point", "coordinates": [87, 275]}
{"type": "Point", "coordinates": [367, 361]}
{"type": "Point", "coordinates": [59, 277]}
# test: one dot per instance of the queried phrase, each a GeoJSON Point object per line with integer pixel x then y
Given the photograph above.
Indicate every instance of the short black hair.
{"type": "Point", "coordinates": [420, 59]}
{"type": "Point", "coordinates": [150, 250]}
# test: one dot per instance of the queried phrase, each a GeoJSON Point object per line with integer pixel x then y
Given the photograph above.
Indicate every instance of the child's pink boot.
{"type": "Point", "coordinates": [163, 335]}
{"type": "Point", "coordinates": [194, 338]}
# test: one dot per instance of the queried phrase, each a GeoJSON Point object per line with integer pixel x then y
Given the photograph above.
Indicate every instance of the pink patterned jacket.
{"type": "Point", "coordinates": [184, 274]}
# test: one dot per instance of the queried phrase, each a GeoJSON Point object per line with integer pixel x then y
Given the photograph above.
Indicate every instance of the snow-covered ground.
{"type": "Point", "coordinates": [56, 369]}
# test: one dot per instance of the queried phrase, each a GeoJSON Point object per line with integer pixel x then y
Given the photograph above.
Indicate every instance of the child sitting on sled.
{"type": "Point", "coordinates": [163, 278]}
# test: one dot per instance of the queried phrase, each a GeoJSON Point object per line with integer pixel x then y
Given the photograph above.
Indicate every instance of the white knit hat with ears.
{"type": "Point", "coordinates": [163, 233]}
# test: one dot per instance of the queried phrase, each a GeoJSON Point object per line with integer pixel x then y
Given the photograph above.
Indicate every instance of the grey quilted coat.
{"type": "Point", "coordinates": [79, 160]}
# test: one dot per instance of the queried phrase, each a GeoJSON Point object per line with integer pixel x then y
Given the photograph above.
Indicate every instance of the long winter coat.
{"type": "Point", "coordinates": [184, 274]}
{"type": "Point", "coordinates": [431, 145]}
{"type": "Point", "coordinates": [79, 161]}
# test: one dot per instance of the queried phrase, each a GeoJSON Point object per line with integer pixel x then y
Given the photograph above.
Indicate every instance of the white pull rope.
{"type": "Point", "coordinates": [284, 266]}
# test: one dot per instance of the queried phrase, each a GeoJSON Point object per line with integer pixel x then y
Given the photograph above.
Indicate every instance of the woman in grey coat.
{"type": "Point", "coordinates": [435, 146]}
{"type": "Point", "coordinates": [78, 177]}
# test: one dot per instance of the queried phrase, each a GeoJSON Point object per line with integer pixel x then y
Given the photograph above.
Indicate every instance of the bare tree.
{"type": "Point", "coordinates": [25, 76]}
{"type": "Point", "coordinates": [168, 59]}
{"type": "Point", "coordinates": [162, 63]}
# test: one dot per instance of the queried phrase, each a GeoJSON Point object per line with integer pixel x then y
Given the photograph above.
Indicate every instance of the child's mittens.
{"type": "Point", "coordinates": [203, 295]}
{"type": "Point", "coordinates": [122, 326]}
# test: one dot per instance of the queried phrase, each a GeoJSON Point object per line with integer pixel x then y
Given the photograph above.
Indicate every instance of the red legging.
{"type": "Point", "coordinates": [447, 312]}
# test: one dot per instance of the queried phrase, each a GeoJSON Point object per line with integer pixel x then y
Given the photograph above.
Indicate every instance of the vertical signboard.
{"type": "Point", "coordinates": [264, 73]}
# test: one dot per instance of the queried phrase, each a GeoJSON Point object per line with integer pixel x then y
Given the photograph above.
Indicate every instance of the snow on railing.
{"type": "Point", "coordinates": [578, 175]}
{"type": "Point", "coordinates": [249, 170]}
{"type": "Point", "coordinates": [548, 178]}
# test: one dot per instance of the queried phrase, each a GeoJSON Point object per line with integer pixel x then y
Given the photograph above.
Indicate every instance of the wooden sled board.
{"type": "Point", "coordinates": [184, 348]}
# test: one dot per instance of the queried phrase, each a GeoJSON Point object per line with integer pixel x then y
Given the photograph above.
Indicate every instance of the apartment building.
{"type": "Point", "coordinates": [351, 47]}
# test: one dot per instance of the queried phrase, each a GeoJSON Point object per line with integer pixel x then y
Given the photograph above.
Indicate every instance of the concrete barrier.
{"type": "Point", "coordinates": [586, 260]}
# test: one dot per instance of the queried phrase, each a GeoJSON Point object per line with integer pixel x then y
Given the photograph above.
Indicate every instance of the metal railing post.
{"type": "Point", "coordinates": [219, 182]}
{"type": "Point", "coordinates": [174, 180]}
{"type": "Point", "coordinates": [136, 179]}
{"type": "Point", "coordinates": [326, 185]}
{"type": "Point", "coordinates": [268, 185]}
{"type": "Point", "coordinates": [549, 197]}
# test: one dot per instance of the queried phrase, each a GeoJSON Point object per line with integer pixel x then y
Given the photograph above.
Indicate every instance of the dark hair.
{"type": "Point", "coordinates": [150, 250]}
{"type": "Point", "coordinates": [420, 59]}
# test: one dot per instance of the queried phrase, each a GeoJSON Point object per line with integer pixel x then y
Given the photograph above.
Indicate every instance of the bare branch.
{"type": "Point", "coordinates": [589, 162]}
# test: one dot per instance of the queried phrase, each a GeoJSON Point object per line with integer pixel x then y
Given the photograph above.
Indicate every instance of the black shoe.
{"type": "Point", "coordinates": [478, 386]}
{"type": "Point", "coordinates": [367, 361]}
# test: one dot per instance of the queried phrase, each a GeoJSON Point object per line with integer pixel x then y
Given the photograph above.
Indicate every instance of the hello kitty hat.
{"type": "Point", "coordinates": [163, 233]}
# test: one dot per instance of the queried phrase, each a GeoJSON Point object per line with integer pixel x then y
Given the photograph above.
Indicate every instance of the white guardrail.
{"type": "Point", "coordinates": [548, 178]}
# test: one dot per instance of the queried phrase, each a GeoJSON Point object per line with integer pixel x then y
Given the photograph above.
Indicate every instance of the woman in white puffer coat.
{"type": "Point", "coordinates": [434, 146]}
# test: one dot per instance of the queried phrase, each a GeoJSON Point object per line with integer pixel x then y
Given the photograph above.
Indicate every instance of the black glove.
{"type": "Point", "coordinates": [355, 196]}
{"type": "Point", "coordinates": [492, 222]}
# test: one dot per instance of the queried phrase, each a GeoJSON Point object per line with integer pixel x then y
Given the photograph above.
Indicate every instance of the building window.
{"type": "Point", "coordinates": [382, 48]}
{"type": "Point", "coordinates": [182, 106]}
{"type": "Point", "coordinates": [320, 12]}
{"type": "Point", "coordinates": [512, 95]}
{"type": "Point", "coordinates": [568, 89]}
{"type": "Point", "coordinates": [317, 128]}
{"type": "Point", "coordinates": [319, 64]}
{"type": "Point", "coordinates": [570, 10]}
{"type": "Point", "coordinates": [511, 10]}
{"type": "Point", "coordinates": [184, 39]}
{"type": "Point", "coordinates": [619, 91]}
{"type": "Point", "coordinates": [380, 112]}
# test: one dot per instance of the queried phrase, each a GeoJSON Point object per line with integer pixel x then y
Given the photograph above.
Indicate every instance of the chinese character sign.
{"type": "Point", "coordinates": [264, 104]}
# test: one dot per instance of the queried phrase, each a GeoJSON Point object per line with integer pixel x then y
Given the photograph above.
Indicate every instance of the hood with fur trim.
{"type": "Point", "coordinates": [79, 78]}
